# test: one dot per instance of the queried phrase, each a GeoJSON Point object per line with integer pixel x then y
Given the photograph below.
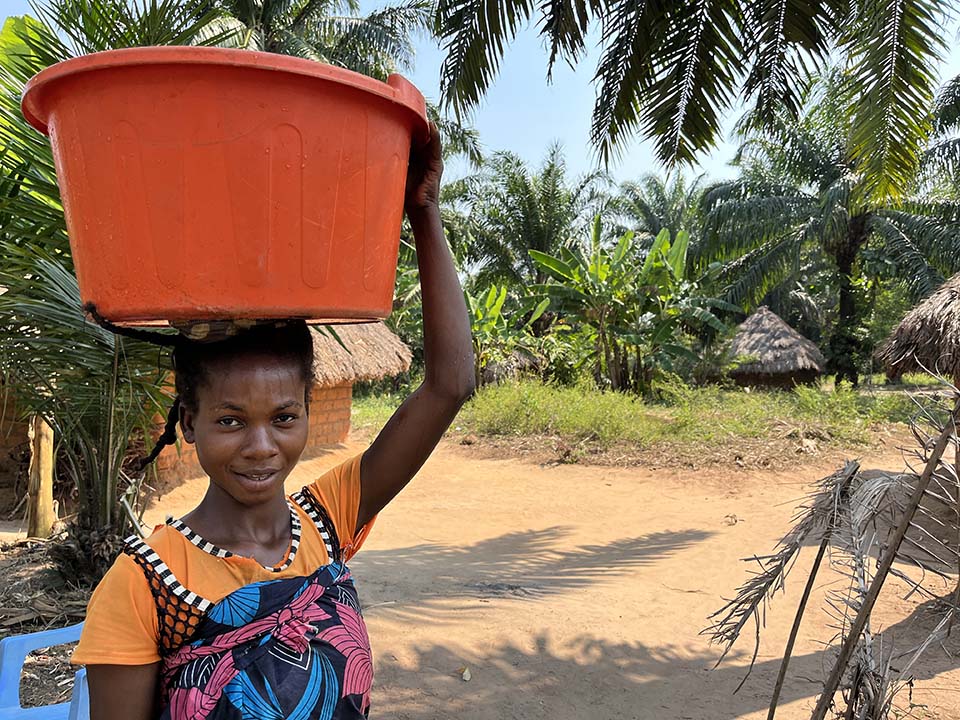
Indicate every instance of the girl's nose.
{"type": "Point", "coordinates": [260, 443]}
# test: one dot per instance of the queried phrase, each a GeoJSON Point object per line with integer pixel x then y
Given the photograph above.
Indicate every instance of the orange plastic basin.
{"type": "Point", "coordinates": [204, 183]}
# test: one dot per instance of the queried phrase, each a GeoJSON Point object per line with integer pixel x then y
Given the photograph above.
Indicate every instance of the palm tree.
{"type": "Point", "coordinates": [941, 161]}
{"type": "Point", "coordinates": [802, 200]}
{"type": "Point", "coordinates": [652, 203]}
{"type": "Point", "coordinates": [509, 210]}
{"type": "Point", "coordinates": [329, 31]}
{"type": "Point", "coordinates": [671, 70]}
{"type": "Point", "coordinates": [92, 387]}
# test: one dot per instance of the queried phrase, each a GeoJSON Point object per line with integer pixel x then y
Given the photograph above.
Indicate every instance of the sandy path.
{"type": "Point", "coordinates": [12, 530]}
{"type": "Point", "coordinates": [577, 592]}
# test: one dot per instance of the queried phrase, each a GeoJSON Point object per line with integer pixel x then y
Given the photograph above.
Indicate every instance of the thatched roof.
{"type": "Point", "coordinates": [928, 337]}
{"type": "Point", "coordinates": [374, 353]}
{"type": "Point", "coordinates": [773, 347]}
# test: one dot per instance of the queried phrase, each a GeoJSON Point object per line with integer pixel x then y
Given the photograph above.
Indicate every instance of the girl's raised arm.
{"type": "Point", "coordinates": [409, 437]}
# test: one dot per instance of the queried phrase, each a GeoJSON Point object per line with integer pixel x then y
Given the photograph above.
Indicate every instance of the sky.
{"type": "Point", "coordinates": [524, 114]}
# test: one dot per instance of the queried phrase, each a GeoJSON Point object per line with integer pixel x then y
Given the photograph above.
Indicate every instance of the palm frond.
{"type": "Point", "coordinates": [942, 158]}
{"type": "Point", "coordinates": [937, 241]}
{"type": "Point", "coordinates": [788, 41]}
{"type": "Point", "coordinates": [564, 24]}
{"type": "Point", "coordinates": [383, 38]}
{"type": "Point", "coordinates": [111, 24]}
{"type": "Point", "coordinates": [741, 216]}
{"type": "Point", "coordinates": [921, 277]}
{"type": "Point", "coordinates": [631, 35]}
{"type": "Point", "coordinates": [894, 46]}
{"type": "Point", "coordinates": [946, 108]}
{"type": "Point", "coordinates": [457, 137]}
{"type": "Point", "coordinates": [818, 517]}
{"type": "Point", "coordinates": [698, 65]}
{"type": "Point", "coordinates": [473, 34]}
{"type": "Point", "coordinates": [752, 275]}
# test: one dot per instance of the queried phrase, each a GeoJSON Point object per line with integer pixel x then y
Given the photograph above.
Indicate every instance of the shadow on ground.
{"type": "Point", "coordinates": [429, 580]}
{"type": "Point", "coordinates": [586, 675]}
{"type": "Point", "coordinates": [590, 677]}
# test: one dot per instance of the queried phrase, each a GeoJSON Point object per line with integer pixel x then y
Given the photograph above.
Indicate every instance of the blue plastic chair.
{"type": "Point", "coordinates": [13, 653]}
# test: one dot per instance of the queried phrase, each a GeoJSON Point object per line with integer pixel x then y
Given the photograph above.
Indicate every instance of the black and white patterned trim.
{"type": "Point", "coordinates": [166, 574]}
{"type": "Point", "coordinates": [304, 498]}
{"type": "Point", "coordinates": [211, 549]}
{"type": "Point", "coordinates": [196, 539]}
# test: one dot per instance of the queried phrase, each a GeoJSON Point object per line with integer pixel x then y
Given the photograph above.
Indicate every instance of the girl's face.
{"type": "Point", "coordinates": [250, 425]}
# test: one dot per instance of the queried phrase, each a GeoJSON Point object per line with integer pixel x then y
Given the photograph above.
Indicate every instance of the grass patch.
{"type": "Point", "coordinates": [371, 412]}
{"type": "Point", "coordinates": [683, 415]}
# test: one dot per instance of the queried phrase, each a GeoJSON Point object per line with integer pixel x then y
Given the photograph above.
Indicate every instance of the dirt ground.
{"type": "Point", "coordinates": [579, 592]}
{"type": "Point", "coordinates": [574, 591]}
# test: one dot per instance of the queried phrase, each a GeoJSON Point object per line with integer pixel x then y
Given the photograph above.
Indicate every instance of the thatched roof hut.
{"type": "Point", "coordinates": [373, 353]}
{"type": "Point", "coordinates": [774, 354]}
{"type": "Point", "coordinates": [928, 337]}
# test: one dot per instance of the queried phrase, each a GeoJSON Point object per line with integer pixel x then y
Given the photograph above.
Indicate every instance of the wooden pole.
{"type": "Point", "coordinates": [853, 469]}
{"type": "Point", "coordinates": [782, 675]}
{"type": "Point", "coordinates": [883, 568]}
{"type": "Point", "coordinates": [40, 513]}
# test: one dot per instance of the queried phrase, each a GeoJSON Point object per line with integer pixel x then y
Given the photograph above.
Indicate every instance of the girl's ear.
{"type": "Point", "coordinates": [187, 417]}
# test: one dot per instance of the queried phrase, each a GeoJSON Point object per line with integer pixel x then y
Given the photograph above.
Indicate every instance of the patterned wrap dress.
{"type": "Point", "coordinates": [295, 647]}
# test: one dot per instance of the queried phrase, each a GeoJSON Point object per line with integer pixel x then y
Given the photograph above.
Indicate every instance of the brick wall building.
{"type": "Point", "coordinates": [14, 447]}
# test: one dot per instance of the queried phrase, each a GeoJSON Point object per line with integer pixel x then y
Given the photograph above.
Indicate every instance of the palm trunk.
{"type": "Point", "coordinates": [844, 346]}
{"type": "Point", "coordinates": [40, 514]}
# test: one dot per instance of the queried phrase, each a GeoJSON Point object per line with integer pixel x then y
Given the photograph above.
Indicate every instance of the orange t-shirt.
{"type": "Point", "coordinates": [121, 627]}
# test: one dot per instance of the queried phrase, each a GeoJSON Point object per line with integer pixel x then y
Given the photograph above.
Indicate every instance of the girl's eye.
{"type": "Point", "coordinates": [287, 418]}
{"type": "Point", "coordinates": [230, 422]}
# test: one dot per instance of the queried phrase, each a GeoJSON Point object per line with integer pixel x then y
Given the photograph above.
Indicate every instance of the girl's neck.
{"type": "Point", "coordinates": [223, 521]}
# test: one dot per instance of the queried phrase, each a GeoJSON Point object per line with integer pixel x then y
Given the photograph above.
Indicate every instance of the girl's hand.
{"type": "Point", "coordinates": [423, 176]}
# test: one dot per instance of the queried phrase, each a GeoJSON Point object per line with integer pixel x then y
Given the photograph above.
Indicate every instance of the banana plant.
{"type": "Point", "coordinates": [635, 312]}
{"type": "Point", "coordinates": [497, 334]}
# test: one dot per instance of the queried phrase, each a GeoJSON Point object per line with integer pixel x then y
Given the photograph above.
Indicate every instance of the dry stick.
{"type": "Point", "coordinates": [794, 631]}
{"type": "Point", "coordinates": [796, 626]}
{"type": "Point", "coordinates": [850, 644]}
{"type": "Point", "coordinates": [956, 466]}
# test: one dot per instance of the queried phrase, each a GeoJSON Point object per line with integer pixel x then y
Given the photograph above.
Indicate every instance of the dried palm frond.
{"type": "Point", "coordinates": [868, 520]}
{"type": "Point", "coordinates": [816, 517]}
{"type": "Point", "coordinates": [863, 670]}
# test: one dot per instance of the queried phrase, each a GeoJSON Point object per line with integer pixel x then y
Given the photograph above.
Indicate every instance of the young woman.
{"type": "Point", "coordinates": [244, 608]}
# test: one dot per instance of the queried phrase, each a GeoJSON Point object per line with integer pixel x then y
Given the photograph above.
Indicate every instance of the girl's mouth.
{"type": "Point", "coordinates": [256, 477]}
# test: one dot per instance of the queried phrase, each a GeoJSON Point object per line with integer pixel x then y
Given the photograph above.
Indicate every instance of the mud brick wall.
{"type": "Point", "coordinates": [329, 425]}
{"type": "Point", "coordinates": [329, 417]}
{"type": "Point", "coordinates": [14, 452]}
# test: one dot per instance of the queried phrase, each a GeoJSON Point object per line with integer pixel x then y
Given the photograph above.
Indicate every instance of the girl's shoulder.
{"type": "Point", "coordinates": [164, 540]}
{"type": "Point", "coordinates": [163, 536]}
{"type": "Point", "coordinates": [167, 550]}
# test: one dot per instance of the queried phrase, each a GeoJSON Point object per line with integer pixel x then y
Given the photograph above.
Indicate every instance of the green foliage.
{"type": "Point", "coordinates": [634, 313]}
{"type": "Point", "coordinates": [94, 389]}
{"type": "Point", "coordinates": [335, 32]}
{"type": "Point", "coordinates": [575, 413]}
{"type": "Point", "coordinates": [654, 203]}
{"type": "Point", "coordinates": [507, 209]}
{"type": "Point", "coordinates": [497, 337]}
{"type": "Point", "coordinates": [892, 300]}
{"type": "Point", "coordinates": [672, 70]}
{"type": "Point", "coordinates": [801, 217]}
{"type": "Point", "coordinates": [696, 417]}
{"type": "Point", "coordinates": [329, 31]}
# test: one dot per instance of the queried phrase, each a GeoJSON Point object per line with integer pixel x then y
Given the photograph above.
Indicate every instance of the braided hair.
{"type": "Point", "coordinates": [191, 359]}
